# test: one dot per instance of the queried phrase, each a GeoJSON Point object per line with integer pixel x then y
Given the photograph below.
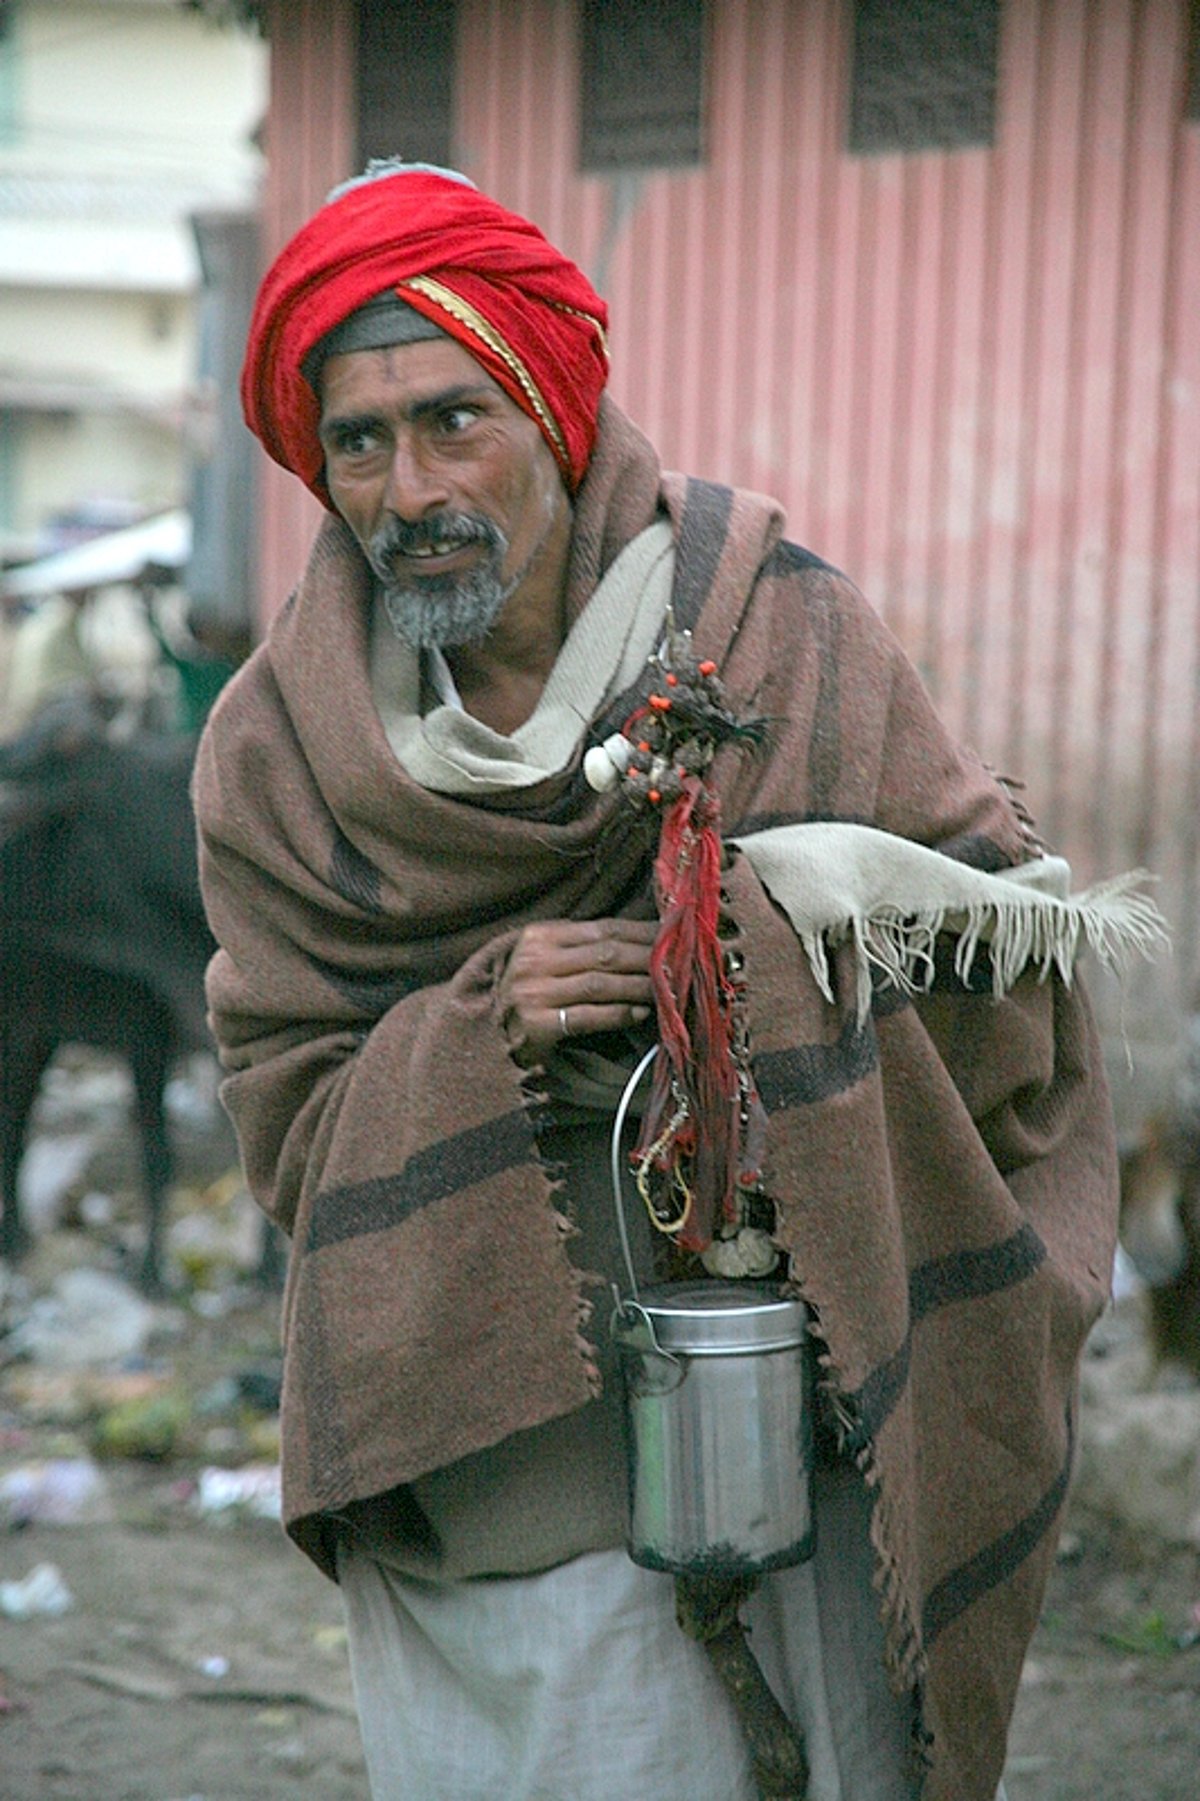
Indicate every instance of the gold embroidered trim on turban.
{"type": "Point", "coordinates": [467, 315]}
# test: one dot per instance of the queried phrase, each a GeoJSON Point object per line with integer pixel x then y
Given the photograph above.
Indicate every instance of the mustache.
{"type": "Point", "coordinates": [399, 537]}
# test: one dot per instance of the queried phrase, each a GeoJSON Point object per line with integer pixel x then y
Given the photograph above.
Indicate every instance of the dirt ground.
{"type": "Point", "coordinates": [200, 1658]}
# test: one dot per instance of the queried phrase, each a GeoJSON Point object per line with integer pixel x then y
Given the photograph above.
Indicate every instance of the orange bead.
{"type": "Point", "coordinates": [672, 681]}
{"type": "Point", "coordinates": [653, 794]}
{"type": "Point", "coordinates": [708, 668]}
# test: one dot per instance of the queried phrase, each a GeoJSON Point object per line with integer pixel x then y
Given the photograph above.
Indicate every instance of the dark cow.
{"type": "Point", "coordinates": [1160, 1217]}
{"type": "Point", "coordinates": [103, 939]}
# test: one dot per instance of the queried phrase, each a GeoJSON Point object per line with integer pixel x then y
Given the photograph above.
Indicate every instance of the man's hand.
{"type": "Point", "coordinates": [566, 977]}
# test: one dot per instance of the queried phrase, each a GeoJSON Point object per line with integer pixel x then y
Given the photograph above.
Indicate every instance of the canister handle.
{"type": "Point", "coordinates": [617, 1172]}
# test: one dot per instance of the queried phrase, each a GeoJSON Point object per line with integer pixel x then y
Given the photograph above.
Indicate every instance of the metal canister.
{"type": "Point", "coordinates": [719, 1386]}
{"type": "Point", "coordinates": [718, 1377]}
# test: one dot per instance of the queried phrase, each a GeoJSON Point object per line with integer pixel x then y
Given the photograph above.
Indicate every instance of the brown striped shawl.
{"type": "Point", "coordinates": [944, 1173]}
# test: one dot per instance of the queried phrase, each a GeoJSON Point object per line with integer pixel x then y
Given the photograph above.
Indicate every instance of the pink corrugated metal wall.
{"type": "Point", "coordinates": [309, 146]}
{"type": "Point", "coordinates": [972, 377]}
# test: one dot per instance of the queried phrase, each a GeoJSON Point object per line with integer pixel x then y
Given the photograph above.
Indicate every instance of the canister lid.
{"type": "Point", "coordinates": [714, 1317]}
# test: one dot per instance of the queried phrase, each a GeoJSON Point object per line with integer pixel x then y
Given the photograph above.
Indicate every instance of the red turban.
{"type": "Point", "coordinates": [484, 275]}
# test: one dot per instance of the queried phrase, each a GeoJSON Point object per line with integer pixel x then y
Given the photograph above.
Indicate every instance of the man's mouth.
{"type": "Point", "coordinates": [438, 546]}
{"type": "Point", "coordinates": [441, 547]}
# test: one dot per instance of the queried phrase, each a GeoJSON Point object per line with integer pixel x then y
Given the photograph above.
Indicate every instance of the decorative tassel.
{"type": "Point", "coordinates": [703, 1128]}
{"type": "Point", "coordinates": [686, 1157]}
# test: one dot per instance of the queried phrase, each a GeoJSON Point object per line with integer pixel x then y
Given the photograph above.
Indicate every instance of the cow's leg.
{"type": "Point", "coordinates": [150, 1062]}
{"type": "Point", "coordinates": [22, 1061]}
{"type": "Point", "coordinates": [272, 1258]}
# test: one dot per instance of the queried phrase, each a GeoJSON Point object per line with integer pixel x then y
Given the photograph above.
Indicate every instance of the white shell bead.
{"type": "Point", "coordinates": [605, 763]}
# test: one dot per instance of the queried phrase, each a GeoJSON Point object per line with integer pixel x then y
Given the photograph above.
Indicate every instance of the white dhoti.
{"type": "Point", "coordinates": [577, 1684]}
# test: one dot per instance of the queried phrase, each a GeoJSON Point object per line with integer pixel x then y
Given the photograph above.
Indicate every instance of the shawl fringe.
{"type": "Point", "coordinates": [894, 920]}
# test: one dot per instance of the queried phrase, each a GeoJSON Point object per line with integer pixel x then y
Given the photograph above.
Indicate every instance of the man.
{"type": "Point", "coordinates": [457, 899]}
{"type": "Point", "coordinates": [48, 657]}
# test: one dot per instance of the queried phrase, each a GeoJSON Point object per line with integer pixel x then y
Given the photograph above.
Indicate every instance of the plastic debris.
{"type": "Point", "coordinates": [261, 1439]}
{"type": "Point", "coordinates": [69, 1397]}
{"type": "Point", "coordinates": [94, 1093]}
{"type": "Point", "coordinates": [220, 1397]}
{"type": "Point", "coordinates": [213, 1667]}
{"type": "Point", "coordinates": [41, 1592]}
{"type": "Point", "coordinates": [148, 1428]}
{"type": "Point", "coordinates": [61, 1491]}
{"type": "Point", "coordinates": [254, 1489]}
{"type": "Point", "coordinates": [50, 1168]}
{"type": "Point", "coordinates": [1126, 1280]}
{"type": "Point", "coordinates": [87, 1318]}
{"type": "Point", "coordinates": [96, 1209]}
{"type": "Point", "coordinates": [1148, 1636]}
{"type": "Point", "coordinates": [217, 1238]}
{"type": "Point", "coordinates": [212, 1303]}
{"type": "Point", "coordinates": [191, 1099]}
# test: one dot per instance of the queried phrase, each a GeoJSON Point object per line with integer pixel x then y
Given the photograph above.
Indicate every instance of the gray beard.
{"type": "Point", "coordinates": [440, 611]}
{"type": "Point", "coordinates": [448, 610]}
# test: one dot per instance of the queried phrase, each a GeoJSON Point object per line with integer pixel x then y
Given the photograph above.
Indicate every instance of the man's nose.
{"type": "Point", "coordinates": [415, 486]}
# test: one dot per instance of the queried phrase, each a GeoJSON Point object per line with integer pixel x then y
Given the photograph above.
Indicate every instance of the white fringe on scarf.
{"type": "Point", "coordinates": [893, 898]}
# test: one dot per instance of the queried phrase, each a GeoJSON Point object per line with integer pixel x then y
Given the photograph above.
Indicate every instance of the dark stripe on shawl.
{"type": "Point", "coordinates": [703, 531]}
{"type": "Point", "coordinates": [886, 998]}
{"type": "Point", "coordinates": [445, 1168]}
{"type": "Point", "coordinates": [789, 559]}
{"type": "Point", "coordinates": [354, 876]}
{"type": "Point", "coordinates": [975, 850]}
{"type": "Point", "coordinates": [999, 1561]}
{"type": "Point", "coordinates": [329, 1449]}
{"type": "Point", "coordinates": [813, 1072]}
{"type": "Point", "coordinates": [825, 742]}
{"type": "Point", "coordinates": [981, 976]}
{"type": "Point", "coordinates": [963, 1276]}
{"type": "Point", "coordinates": [373, 991]}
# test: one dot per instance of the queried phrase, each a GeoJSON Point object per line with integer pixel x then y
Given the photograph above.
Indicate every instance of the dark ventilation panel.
{"type": "Point", "coordinates": [924, 74]}
{"type": "Point", "coordinates": [405, 78]}
{"type": "Point", "coordinates": [641, 84]}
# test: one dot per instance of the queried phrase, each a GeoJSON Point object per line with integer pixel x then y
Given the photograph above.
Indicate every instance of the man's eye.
{"type": "Point", "coordinates": [356, 441]}
{"type": "Point", "coordinates": [352, 440]}
{"type": "Point", "coordinates": [457, 419]}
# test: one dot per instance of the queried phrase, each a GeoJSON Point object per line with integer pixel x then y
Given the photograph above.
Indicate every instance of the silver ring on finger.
{"type": "Point", "coordinates": [564, 1024]}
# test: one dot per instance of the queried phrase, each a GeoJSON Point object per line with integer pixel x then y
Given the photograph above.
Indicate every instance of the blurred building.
{"type": "Point", "coordinates": [121, 123]}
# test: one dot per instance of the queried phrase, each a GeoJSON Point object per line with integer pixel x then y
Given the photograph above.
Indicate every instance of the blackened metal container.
{"type": "Point", "coordinates": [718, 1378]}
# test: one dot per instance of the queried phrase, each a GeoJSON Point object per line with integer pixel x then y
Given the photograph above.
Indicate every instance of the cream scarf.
{"type": "Point", "coordinates": [890, 897]}
{"type": "Point", "coordinates": [605, 652]}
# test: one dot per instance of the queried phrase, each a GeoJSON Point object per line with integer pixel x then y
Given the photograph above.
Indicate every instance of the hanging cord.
{"type": "Point", "coordinates": [616, 1164]}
